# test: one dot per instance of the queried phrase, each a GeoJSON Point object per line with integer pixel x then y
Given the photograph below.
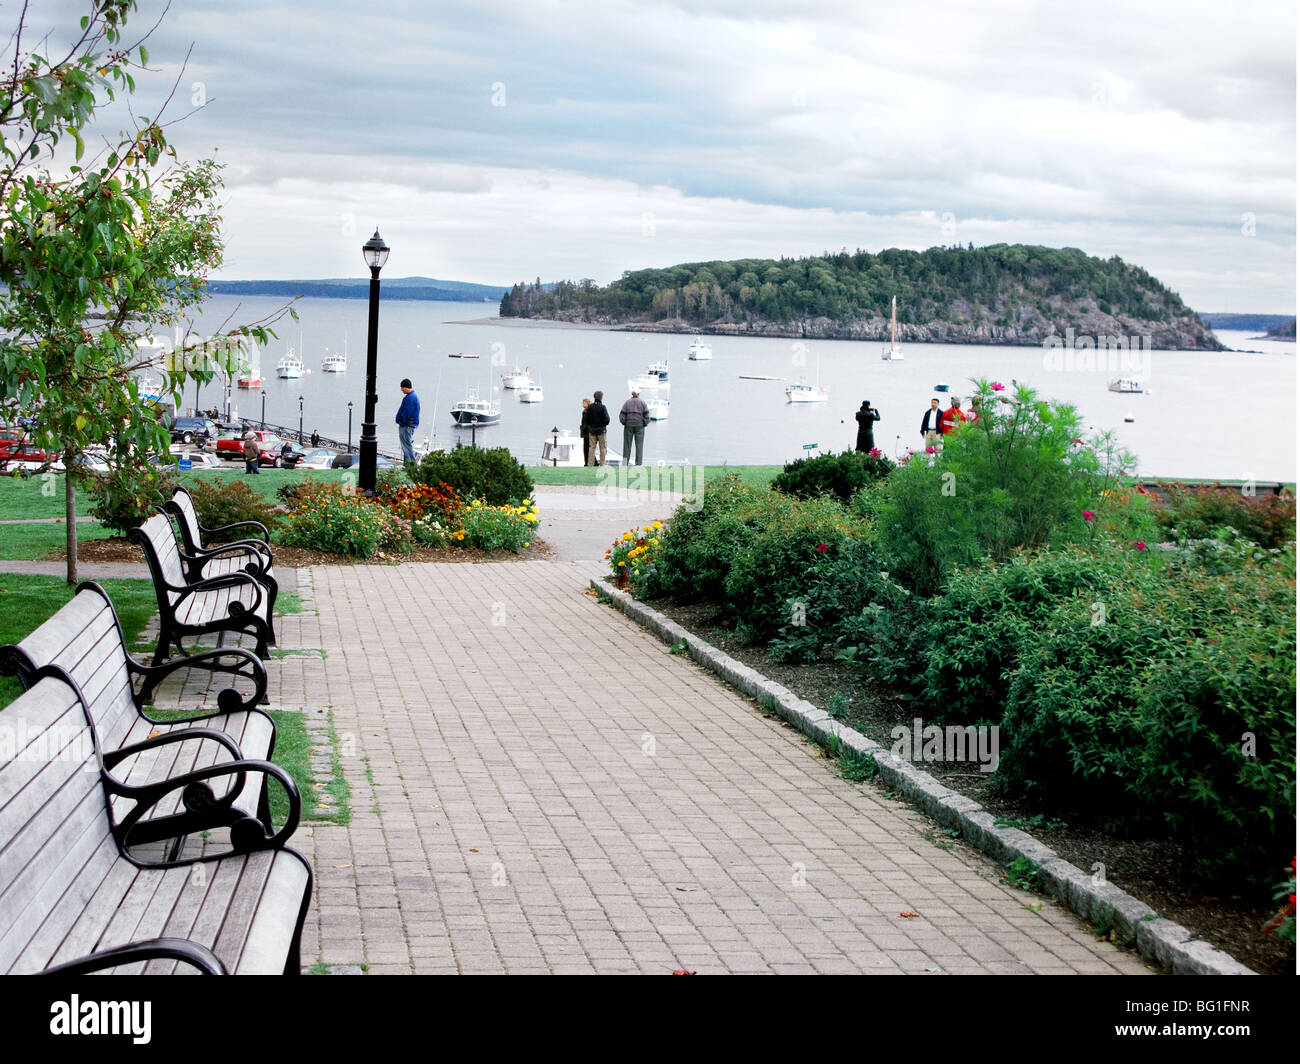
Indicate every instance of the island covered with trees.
{"type": "Point", "coordinates": [999, 294]}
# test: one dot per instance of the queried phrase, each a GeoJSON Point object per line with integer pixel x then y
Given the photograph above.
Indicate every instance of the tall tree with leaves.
{"type": "Point", "coordinates": [98, 257]}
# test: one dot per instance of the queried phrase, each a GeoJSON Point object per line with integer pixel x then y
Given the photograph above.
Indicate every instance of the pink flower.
{"type": "Point", "coordinates": [875, 452]}
{"type": "Point", "coordinates": [929, 450]}
{"type": "Point", "coordinates": [1088, 515]}
{"type": "Point", "coordinates": [1141, 544]}
{"type": "Point", "coordinates": [822, 548]}
{"type": "Point", "coordinates": [998, 387]}
{"type": "Point", "coordinates": [1076, 440]}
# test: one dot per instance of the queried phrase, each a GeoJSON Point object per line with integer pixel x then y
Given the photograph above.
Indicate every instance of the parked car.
{"type": "Point", "coordinates": [232, 447]}
{"type": "Point", "coordinates": [353, 461]}
{"type": "Point", "coordinates": [286, 456]}
{"type": "Point", "coordinates": [318, 458]}
{"type": "Point", "coordinates": [194, 429]}
{"type": "Point", "coordinates": [200, 460]}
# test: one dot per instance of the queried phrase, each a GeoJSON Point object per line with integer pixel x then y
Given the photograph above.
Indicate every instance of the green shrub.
{"type": "Point", "coordinates": [127, 496]}
{"type": "Point", "coordinates": [474, 473]}
{"type": "Point", "coordinates": [225, 502]}
{"type": "Point", "coordinates": [1177, 710]}
{"type": "Point", "coordinates": [845, 579]}
{"type": "Point", "coordinates": [1020, 476]}
{"type": "Point", "coordinates": [1190, 513]}
{"type": "Point", "coordinates": [838, 475]}
{"type": "Point", "coordinates": [337, 522]}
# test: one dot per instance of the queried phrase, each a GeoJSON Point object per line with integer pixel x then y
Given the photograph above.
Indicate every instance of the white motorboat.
{"type": "Point", "coordinates": [658, 408]}
{"type": "Point", "coordinates": [250, 375]}
{"type": "Point", "coordinates": [516, 378]}
{"type": "Point", "coordinates": [700, 351]}
{"type": "Point", "coordinates": [654, 378]}
{"type": "Point", "coordinates": [475, 411]}
{"type": "Point", "coordinates": [1126, 385]}
{"type": "Point", "coordinates": [530, 393]}
{"type": "Point", "coordinates": [335, 364]}
{"type": "Point", "coordinates": [562, 449]}
{"type": "Point", "coordinates": [289, 367]}
{"type": "Point", "coordinates": [803, 392]}
{"type": "Point", "coordinates": [893, 352]}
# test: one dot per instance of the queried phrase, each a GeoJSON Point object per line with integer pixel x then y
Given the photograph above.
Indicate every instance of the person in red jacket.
{"type": "Point", "coordinates": [953, 416]}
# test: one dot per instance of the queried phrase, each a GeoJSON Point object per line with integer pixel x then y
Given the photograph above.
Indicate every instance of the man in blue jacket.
{"type": "Point", "coordinates": [408, 419]}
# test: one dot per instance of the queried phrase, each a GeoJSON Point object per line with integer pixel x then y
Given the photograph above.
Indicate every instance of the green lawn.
{"type": "Point", "coordinates": [35, 541]}
{"type": "Point", "coordinates": [28, 601]}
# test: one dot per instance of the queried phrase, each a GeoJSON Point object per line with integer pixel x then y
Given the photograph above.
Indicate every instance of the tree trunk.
{"type": "Point", "coordinates": [70, 514]}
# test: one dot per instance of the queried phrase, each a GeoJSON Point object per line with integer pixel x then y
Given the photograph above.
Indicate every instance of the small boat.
{"type": "Point", "coordinates": [475, 411]}
{"type": "Point", "coordinates": [803, 392]}
{"type": "Point", "coordinates": [1129, 418]}
{"type": "Point", "coordinates": [335, 364]}
{"type": "Point", "coordinates": [289, 367]}
{"type": "Point", "coordinates": [941, 387]}
{"type": "Point", "coordinates": [251, 368]}
{"type": "Point", "coordinates": [516, 378]}
{"type": "Point", "coordinates": [461, 354]}
{"type": "Point", "coordinates": [893, 352]}
{"type": "Point", "coordinates": [658, 408]}
{"type": "Point", "coordinates": [1126, 385]}
{"type": "Point", "coordinates": [655, 377]}
{"type": "Point", "coordinates": [530, 393]}
{"type": "Point", "coordinates": [700, 351]}
{"type": "Point", "coordinates": [562, 449]}
{"type": "Point", "coordinates": [757, 377]}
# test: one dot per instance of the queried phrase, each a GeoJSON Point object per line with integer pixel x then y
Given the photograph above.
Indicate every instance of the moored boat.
{"type": "Point", "coordinates": [475, 411]}
{"type": "Point", "coordinates": [893, 352]}
{"type": "Point", "coordinates": [516, 378]}
{"type": "Point", "coordinates": [289, 367]}
{"type": "Point", "coordinates": [530, 393]}
{"type": "Point", "coordinates": [803, 392]}
{"type": "Point", "coordinates": [1126, 385]}
{"type": "Point", "coordinates": [700, 351]}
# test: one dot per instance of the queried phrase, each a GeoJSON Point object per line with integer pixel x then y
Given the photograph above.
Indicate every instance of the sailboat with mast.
{"type": "Point", "coordinates": [893, 352]}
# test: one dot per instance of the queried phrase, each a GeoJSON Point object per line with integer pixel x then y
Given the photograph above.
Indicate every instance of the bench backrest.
{"type": "Point", "coordinates": [84, 638]}
{"type": "Point", "coordinates": [188, 520]}
{"type": "Point", "coordinates": [54, 828]}
{"type": "Point", "coordinates": [157, 538]}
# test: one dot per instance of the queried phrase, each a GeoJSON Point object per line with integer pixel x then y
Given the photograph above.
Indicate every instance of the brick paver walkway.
{"type": "Point", "coordinates": [538, 785]}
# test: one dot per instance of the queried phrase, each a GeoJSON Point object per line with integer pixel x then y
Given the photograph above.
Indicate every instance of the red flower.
{"type": "Point", "coordinates": [822, 548]}
{"type": "Point", "coordinates": [1088, 515]}
{"type": "Point", "coordinates": [1141, 544]}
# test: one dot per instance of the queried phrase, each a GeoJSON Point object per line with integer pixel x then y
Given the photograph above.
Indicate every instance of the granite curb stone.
{"type": "Point", "coordinates": [1168, 944]}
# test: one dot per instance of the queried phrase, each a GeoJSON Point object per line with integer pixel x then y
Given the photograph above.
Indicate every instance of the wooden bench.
{"type": "Point", "coordinates": [235, 602]}
{"type": "Point", "coordinates": [71, 898]}
{"type": "Point", "coordinates": [252, 556]}
{"type": "Point", "coordinates": [85, 639]}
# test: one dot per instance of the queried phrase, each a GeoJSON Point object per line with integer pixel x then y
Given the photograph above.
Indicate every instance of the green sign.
{"type": "Point", "coordinates": [810, 446]}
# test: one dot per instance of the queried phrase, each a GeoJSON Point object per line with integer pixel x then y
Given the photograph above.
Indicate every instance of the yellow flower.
{"type": "Point", "coordinates": [658, 525]}
{"type": "Point", "coordinates": [628, 537]}
{"type": "Point", "coordinates": [621, 564]}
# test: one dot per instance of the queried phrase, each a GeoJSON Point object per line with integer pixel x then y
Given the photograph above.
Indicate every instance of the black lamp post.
{"type": "Point", "coordinates": [349, 426]}
{"type": "Point", "coordinates": [300, 439]}
{"type": "Point", "coordinates": [263, 409]}
{"type": "Point", "coordinates": [555, 446]}
{"type": "Point", "coordinates": [375, 252]}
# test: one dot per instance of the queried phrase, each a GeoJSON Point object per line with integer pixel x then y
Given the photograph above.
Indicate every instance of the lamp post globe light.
{"type": "Point", "coordinates": [375, 252]}
{"type": "Point", "coordinates": [263, 409]}
{"type": "Point", "coordinates": [300, 439]}
{"type": "Point", "coordinates": [349, 426]}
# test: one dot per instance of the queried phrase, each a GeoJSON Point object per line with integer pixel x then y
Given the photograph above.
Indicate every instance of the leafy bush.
{"type": "Point", "coordinates": [767, 581]}
{"type": "Point", "coordinates": [704, 537]}
{"type": "Point", "coordinates": [225, 502]}
{"type": "Point", "coordinates": [127, 496]}
{"type": "Point", "coordinates": [414, 501]}
{"type": "Point", "coordinates": [838, 475]}
{"type": "Point", "coordinates": [1020, 476]}
{"type": "Point", "coordinates": [1190, 513]}
{"type": "Point", "coordinates": [473, 473]}
{"type": "Point", "coordinates": [332, 520]}
{"type": "Point", "coordinates": [1177, 709]}
{"type": "Point", "coordinates": [632, 557]}
{"type": "Point", "coordinates": [388, 481]}
{"type": "Point", "coordinates": [498, 527]}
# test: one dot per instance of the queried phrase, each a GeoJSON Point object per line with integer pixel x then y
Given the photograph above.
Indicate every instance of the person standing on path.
{"type": "Point", "coordinates": [315, 438]}
{"type": "Point", "coordinates": [586, 436]}
{"type": "Point", "coordinates": [866, 417]}
{"type": "Point", "coordinates": [252, 453]}
{"type": "Point", "coordinates": [408, 419]}
{"type": "Point", "coordinates": [932, 425]}
{"type": "Point", "coordinates": [597, 424]}
{"type": "Point", "coordinates": [635, 416]}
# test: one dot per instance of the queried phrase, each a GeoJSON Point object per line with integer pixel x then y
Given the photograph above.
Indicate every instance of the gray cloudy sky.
{"type": "Point", "coordinates": [498, 141]}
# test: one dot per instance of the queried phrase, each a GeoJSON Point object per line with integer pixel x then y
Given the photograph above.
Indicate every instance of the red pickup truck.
{"type": "Point", "coordinates": [272, 446]}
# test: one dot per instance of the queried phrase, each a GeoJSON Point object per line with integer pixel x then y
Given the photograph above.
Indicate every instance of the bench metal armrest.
{"type": "Point", "coordinates": [176, 949]}
{"type": "Point", "coordinates": [266, 536]}
{"type": "Point", "coordinates": [114, 757]}
{"type": "Point", "coordinates": [246, 834]}
{"type": "Point", "coordinates": [220, 583]}
{"type": "Point", "coordinates": [243, 546]}
{"type": "Point", "coordinates": [228, 700]}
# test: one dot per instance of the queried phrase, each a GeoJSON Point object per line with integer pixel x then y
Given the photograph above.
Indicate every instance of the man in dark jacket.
{"type": "Point", "coordinates": [932, 424]}
{"type": "Point", "coordinates": [597, 424]}
{"type": "Point", "coordinates": [635, 416]}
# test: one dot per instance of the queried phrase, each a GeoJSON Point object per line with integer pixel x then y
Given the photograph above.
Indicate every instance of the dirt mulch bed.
{"type": "Point", "coordinates": [1149, 869]}
{"type": "Point", "coordinates": [122, 550]}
